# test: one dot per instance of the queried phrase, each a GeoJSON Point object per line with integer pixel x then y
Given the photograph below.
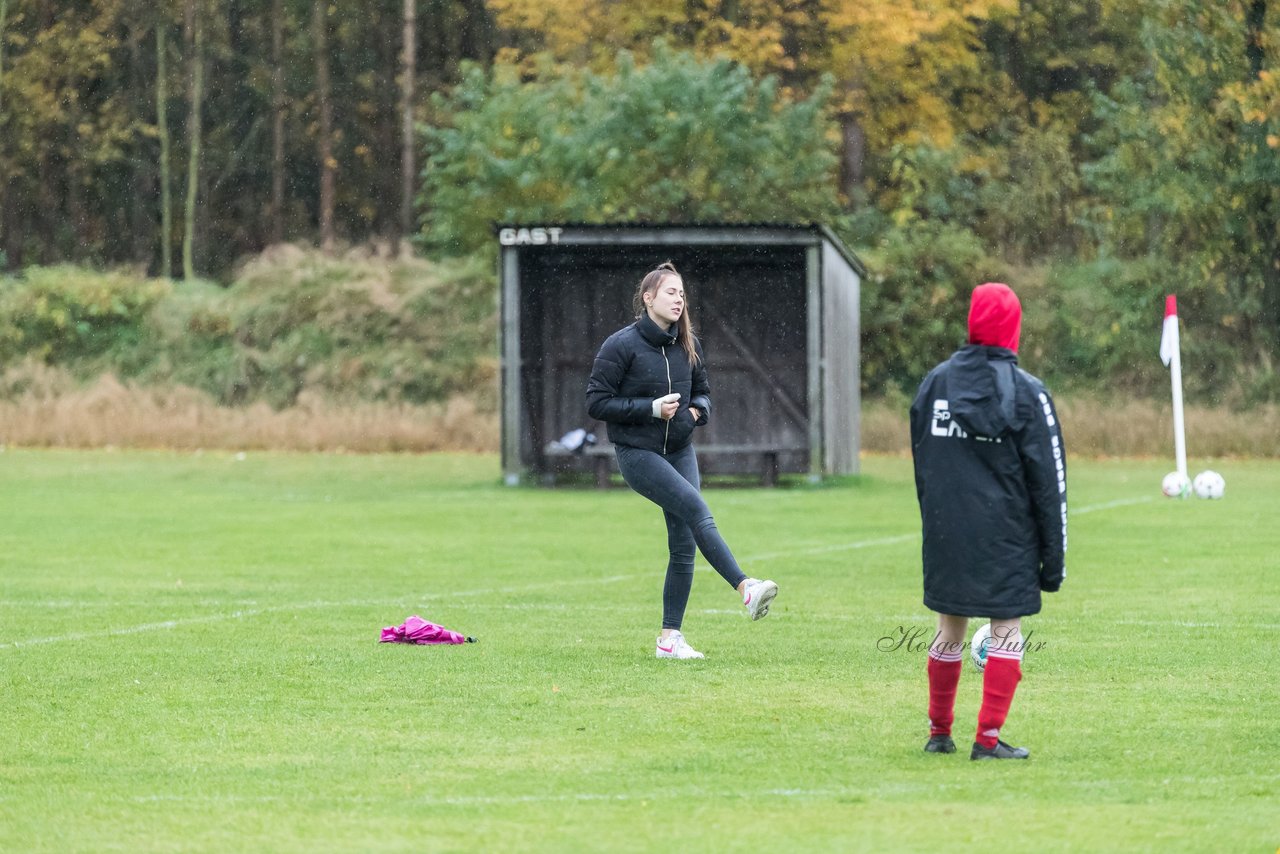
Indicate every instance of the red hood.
{"type": "Point", "coordinates": [995, 316]}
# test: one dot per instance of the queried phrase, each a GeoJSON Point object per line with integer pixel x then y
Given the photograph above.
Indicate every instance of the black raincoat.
{"type": "Point", "coordinates": [990, 473]}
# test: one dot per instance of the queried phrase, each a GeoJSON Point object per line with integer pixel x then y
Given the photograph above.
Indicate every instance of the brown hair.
{"type": "Point", "coordinates": [684, 326]}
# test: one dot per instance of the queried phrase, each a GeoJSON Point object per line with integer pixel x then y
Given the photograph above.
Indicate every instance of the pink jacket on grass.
{"type": "Point", "coordinates": [419, 631]}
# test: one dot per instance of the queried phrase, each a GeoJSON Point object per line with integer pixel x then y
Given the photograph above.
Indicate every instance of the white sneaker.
{"type": "Point", "coordinates": [757, 595]}
{"type": "Point", "coordinates": [675, 646]}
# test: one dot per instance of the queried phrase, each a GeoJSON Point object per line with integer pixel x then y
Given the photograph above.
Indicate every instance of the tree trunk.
{"type": "Point", "coordinates": [1255, 21]}
{"type": "Point", "coordinates": [75, 197]}
{"type": "Point", "coordinates": [320, 25]}
{"type": "Point", "coordinates": [853, 154]}
{"type": "Point", "coordinates": [277, 124]}
{"type": "Point", "coordinates": [1267, 214]}
{"type": "Point", "coordinates": [409, 73]}
{"type": "Point", "coordinates": [48, 212]}
{"type": "Point", "coordinates": [140, 222]}
{"type": "Point", "coordinates": [193, 155]}
{"type": "Point", "coordinates": [4, 14]}
{"type": "Point", "coordinates": [162, 128]}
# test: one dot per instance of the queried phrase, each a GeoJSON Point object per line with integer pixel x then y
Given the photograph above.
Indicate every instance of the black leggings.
{"type": "Point", "coordinates": [672, 482]}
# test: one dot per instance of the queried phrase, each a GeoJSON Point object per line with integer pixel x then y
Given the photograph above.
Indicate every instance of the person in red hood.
{"type": "Point", "coordinates": [991, 479]}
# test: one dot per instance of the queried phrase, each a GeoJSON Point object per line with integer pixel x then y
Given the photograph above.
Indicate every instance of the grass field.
{"type": "Point", "coordinates": [188, 662]}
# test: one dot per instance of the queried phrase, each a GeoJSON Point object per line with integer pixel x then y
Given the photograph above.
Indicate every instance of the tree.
{"type": "Point", "coordinates": [1185, 174]}
{"type": "Point", "coordinates": [162, 129]}
{"type": "Point", "coordinates": [897, 66]}
{"type": "Point", "coordinates": [783, 38]}
{"type": "Point", "coordinates": [277, 121]}
{"type": "Point", "coordinates": [81, 132]}
{"type": "Point", "coordinates": [195, 128]}
{"type": "Point", "coordinates": [408, 74]}
{"type": "Point", "coordinates": [903, 71]}
{"type": "Point", "coordinates": [678, 140]}
{"type": "Point", "coordinates": [4, 17]}
{"type": "Point", "coordinates": [64, 129]}
{"type": "Point", "coordinates": [324, 139]}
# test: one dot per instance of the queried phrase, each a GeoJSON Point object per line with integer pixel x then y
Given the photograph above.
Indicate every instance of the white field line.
{"type": "Point", "coordinates": [1107, 505]}
{"type": "Point", "coordinates": [905, 538]}
{"type": "Point", "coordinates": [506, 591]}
{"type": "Point", "coordinates": [661, 795]}
{"type": "Point", "coordinates": [299, 606]}
{"type": "Point", "coordinates": [498, 800]}
{"type": "Point", "coordinates": [19, 603]}
{"type": "Point", "coordinates": [134, 630]}
{"type": "Point", "coordinates": [737, 613]}
{"type": "Point", "coordinates": [817, 550]}
{"type": "Point", "coordinates": [1190, 624]}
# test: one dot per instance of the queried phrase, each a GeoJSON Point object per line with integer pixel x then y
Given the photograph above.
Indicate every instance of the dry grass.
{"type": "Point", "coordinates": [47, 410]}
{"type": "Point", "coordinates": [44, 407]}
{"type": "Point", "coordinates": [1101, 428]}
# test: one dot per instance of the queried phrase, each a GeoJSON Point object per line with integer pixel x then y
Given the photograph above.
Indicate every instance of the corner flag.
{"type": "Point", "coordinates": [1171, 355]}
{"type": "Point", "coordinates": [1169, 335]}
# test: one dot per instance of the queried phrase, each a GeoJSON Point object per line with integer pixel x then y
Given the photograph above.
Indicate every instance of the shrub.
{"type": "Point", "coordinates": [915, 301]}
{"type": "Point", "coordinates": [354, 328]}
{"type": "Point", "coordinates": [68, 314]}
{"type": "Point", "coordinates": [678, 140]}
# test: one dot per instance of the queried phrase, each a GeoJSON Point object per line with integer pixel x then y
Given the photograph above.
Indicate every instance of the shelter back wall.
{"type": "Point", "coordinates": [747, 305]}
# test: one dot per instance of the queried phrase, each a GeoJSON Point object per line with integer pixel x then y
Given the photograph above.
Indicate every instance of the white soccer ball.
{"type": "Point", "coordinates": [1209, 484]}
{"type": "Point", "coordinates": [1175, 485]}
{"type": "Point", "coordinates": [978, 647]}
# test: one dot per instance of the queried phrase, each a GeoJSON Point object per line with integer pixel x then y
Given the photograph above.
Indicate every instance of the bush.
{"type": "Point", "coordinates": [69, 314]}
{"type": "Point", "coordinates": [348, 329]}
{"type": "Point", "coordinates": [679, 140]}
{"type": "Point", "coordinates": [915, 301]}
{"type": "Point", "coordinates": [364, 328]}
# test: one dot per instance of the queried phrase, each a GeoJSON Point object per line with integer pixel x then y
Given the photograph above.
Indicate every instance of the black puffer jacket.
{"type": "Point", "coordinates": [636, 364]}
{"type": "Point", "coordinates": [991, 479]}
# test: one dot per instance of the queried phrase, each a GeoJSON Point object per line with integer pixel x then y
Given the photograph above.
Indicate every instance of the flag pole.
{"type": "Point", "coordinates": [1171, 354]}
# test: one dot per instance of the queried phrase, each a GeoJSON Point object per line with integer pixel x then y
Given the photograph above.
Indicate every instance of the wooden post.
{"type": "Point", "coordinates": [769, 475]}
{"type": "Point", "coordinates": [510, 349]}
{"type": "Point", "coordinates": [814, 366]}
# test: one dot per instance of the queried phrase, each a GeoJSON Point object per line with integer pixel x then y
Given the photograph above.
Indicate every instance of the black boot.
{"type": "Point", "coordinates": [940, 744]}
{"type": "Point", "coordinates": [1000, 751]}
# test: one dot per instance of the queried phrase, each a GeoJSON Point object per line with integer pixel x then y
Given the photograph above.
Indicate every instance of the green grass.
{"type": "Point", "coordinates": [188, 662]}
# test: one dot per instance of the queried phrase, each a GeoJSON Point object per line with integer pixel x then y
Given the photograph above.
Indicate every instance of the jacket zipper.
{"type": "Point", "coordinates": [667, 430]}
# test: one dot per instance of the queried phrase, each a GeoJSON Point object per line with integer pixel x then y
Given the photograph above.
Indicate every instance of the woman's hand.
{"type": "Point", "coordinates": [665, 407]}
{"type": "Point", "coordinates": [696, 413]}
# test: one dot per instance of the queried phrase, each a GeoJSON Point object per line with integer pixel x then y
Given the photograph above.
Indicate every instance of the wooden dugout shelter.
{"type": "Point", "coordinates": [776, 308]}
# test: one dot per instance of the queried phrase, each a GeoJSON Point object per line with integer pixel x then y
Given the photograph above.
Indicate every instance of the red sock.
{"type": "Point", "coordinates": [998, 684]}
{"type": "Point", "coordinates": [944, 675]}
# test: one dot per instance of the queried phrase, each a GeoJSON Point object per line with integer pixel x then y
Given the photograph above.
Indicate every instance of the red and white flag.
{"type": "Point", "coordinates": [1169, 336]}
{"type": "Point", "coordinates": [1171, 355]}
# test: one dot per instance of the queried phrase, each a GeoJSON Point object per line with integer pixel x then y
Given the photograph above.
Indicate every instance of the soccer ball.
{"type": "Point", "coordinates": [1175, 485]}
{"type": "Point", "coordinates": [1209, 484]}
{"type": "Point", "coordinates": [978, 647]}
